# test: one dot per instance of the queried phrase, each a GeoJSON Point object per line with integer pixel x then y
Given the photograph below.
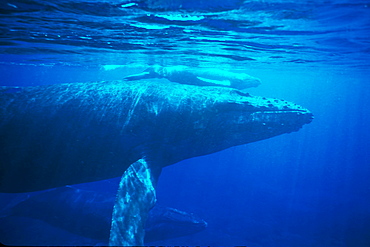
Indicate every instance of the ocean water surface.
{"type": "Point", "coordinates": [307, 188]}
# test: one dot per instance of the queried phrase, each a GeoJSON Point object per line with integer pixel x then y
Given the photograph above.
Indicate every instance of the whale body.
{"type": "Point", "coordinates": [198, 76]}
{"type": "Point", "coordinates": [73, 133]}
{"type": "Point", "coordinates": [68, 133]}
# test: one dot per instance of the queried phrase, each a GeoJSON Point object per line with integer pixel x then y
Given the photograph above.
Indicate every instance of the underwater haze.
{"type": "Point", "coordinates": [305, 188]}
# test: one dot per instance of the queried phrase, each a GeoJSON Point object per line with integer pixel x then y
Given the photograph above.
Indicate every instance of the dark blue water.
{"type": "Point", "coordinates": [307, 188]}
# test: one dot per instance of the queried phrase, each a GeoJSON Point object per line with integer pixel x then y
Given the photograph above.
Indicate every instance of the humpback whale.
{"type": "Point", "coordinates": [198, 76]}
{"type": "Point", "coordinates": [64, 134]}
{"type": "Point", "coordinates": [88, 213]}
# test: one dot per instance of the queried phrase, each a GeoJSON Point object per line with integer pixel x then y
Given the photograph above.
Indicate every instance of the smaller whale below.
{"type": "Point", "coordinates": [88, 213]}
{"type": "Point", "coordinates": [198, 76]}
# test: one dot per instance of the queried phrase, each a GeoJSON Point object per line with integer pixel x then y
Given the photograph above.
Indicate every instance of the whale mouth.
{"type": "Point", "coordinates": [278, 111]}
{"type": "Point", "coordinates": [300, 113]}
{"type": "Point", "coordinates": [283, 111]}
{"type": "Point", "coordinates": [294, 113]}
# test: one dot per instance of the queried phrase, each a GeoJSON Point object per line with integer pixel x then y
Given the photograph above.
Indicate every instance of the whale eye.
{"type": "Point", "coordinates": [240, 93]}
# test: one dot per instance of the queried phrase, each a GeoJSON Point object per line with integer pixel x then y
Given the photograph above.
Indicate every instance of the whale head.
{"type": "Point", "coordinates": [205, 120]}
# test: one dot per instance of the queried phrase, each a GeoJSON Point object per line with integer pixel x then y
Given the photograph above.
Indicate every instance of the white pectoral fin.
{"type": "Point", "coordinates": [143, 75]}
{"type": "Point", "coordinates": [136, 195]}
{"type": "Point", "coordinates": [214, 82]}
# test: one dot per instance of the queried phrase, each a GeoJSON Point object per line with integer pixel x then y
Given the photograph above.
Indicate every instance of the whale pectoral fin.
{"type": "Point", "coordinates": [136, 195]}
{"type": "Point", "coordinates": [211, 82]}
{"type": "Point", "coordinates": [140, 76]}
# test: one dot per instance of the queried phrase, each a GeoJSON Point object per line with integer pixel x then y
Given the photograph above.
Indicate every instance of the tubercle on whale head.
{"type": "Point", "coordinates": [249, 118]}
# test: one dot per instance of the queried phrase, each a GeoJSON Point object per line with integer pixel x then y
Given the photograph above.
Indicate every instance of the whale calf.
{"type": "Point", "coordinates": [73, 133]}
{"type": "Point", "coordinates": [198, 76]}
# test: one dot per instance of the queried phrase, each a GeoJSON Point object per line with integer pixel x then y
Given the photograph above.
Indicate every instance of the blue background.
{"type": "Point", "coordinates": [307, 188]}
